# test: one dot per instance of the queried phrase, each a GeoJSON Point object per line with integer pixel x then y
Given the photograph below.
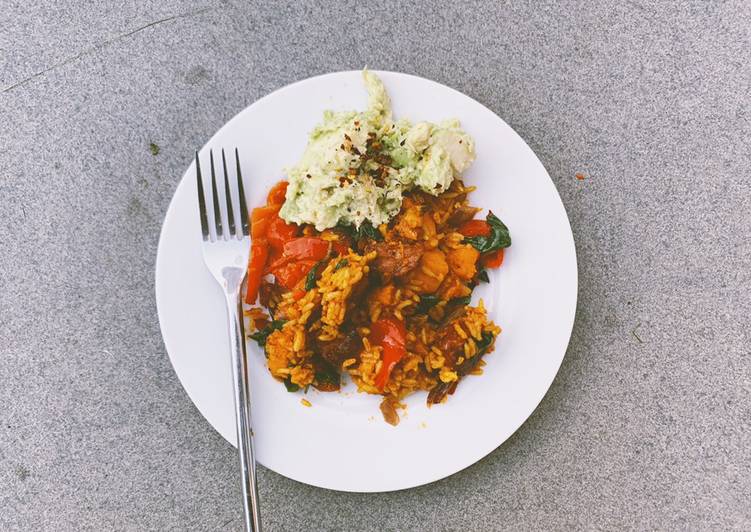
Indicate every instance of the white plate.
{"type": "Point", "coordinates": [342, 442]}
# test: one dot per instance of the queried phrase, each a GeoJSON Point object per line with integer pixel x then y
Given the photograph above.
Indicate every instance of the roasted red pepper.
{"type": "Point", "coordinates": [390, 334]}
{"type": "Point", "coordinates": [475, 228]}
{"type": "Point", "coordinates": [260, 220]}
{"type": "Point", "coordinates": [280, 232]}
{"type": "Point", "coordinates": [307, 248]}
{"type": "Point", "coordinates": [288, 275]}
{"type": "Point", "coordinates": [259, 250]}
{"type": "Point", "coordinates": [277, 194]}
{"type": "Point", "coordinates": [494, 259]}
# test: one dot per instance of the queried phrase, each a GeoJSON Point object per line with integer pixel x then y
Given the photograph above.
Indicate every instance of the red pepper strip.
{"type": "Point", "coordinates": [389, 333]}
{"type": "Point", "coordinates": [259, 250]}
{"type": "Point", "coordinates": [277, 194]}
{"type": "Point", "coordinates": [475, 228]}
{"type": "Point", "coordinates": [288, 275]}
{"type": "Point", "coordinates": [280, 232]}
{"type": "Point", "coordinates": [308, 248]}
{"type": "Point", "coordinates": [493, 259]}
{"type": "Point", "coordinates": [274, 255]}
{"type": "Point", "coordinates": [260, 220]}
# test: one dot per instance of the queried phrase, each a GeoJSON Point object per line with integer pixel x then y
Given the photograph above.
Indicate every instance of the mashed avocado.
{"type": "Point", "coordinates": [357, 164]}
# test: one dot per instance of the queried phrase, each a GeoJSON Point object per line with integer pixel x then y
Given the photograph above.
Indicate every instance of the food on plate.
{"type": "Point", "coordinates": [357, 165]}
{"type": "Point", "coordinates": [365, 259]}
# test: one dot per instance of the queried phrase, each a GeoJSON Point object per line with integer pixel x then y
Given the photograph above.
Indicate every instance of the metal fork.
{"type": "Point", "coordinates": [225, 251]}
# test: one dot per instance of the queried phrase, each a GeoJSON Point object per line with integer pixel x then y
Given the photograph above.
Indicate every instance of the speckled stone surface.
{"type": "Point", "coordinates": [647, 423]}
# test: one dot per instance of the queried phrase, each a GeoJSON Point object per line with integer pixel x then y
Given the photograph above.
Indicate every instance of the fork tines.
{"type": "Point", "coordinates": [231, 231]}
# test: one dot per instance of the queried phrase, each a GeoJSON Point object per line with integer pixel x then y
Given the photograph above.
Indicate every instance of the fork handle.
{"type": "Point", "coordinates": [242, 413]}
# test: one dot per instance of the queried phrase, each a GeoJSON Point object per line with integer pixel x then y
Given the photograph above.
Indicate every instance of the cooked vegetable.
{"type": "Point", "coordinates": [427, 302]}
{"type": "Point", "coordinates": [257, 261]}
{"type": "Point", "coordinates": [310, 279]}
{"type": "Point", "coordinates": [439, 392]}
{"type": "Point", "coordinates": [280, 232]}
{"type": "Point", "coordinates": [494, 259]}
{"type": "Point", "coordinates": [462, 261]}
{"type": "Point", "coordinates": [366, 231]}
{"type": "Point", "coordinates": [261, 335]}
{"type": "Point", "coordinates": [497, 239]}
{"type": "Point", "coordinates": [305, 248]}
{"type": "Point", "coordinates": [291, 386]}
{"type": "Point", "coordinates": [475, 228]}
{"type": "Point", "coordinates": [277, 194]}
{"type": "Point", "coordinates": [260, 220]}
{"type": "Point", "coordinates": [389, 333]}
{"type": "Point", "coordinates": [288, 275]}
{"type": "Point", "coordinates": [429, 274]}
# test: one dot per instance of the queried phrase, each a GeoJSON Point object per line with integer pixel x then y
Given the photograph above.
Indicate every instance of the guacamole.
{"type": "Point", "coordinates": [357, 164]}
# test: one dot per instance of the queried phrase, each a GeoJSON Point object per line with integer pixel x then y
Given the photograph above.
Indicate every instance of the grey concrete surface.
{"type": "Point", "coordinates": [647, 424]}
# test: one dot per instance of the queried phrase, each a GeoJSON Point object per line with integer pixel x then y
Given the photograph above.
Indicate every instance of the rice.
{"type": "Point", "coordinates": [346, 301]}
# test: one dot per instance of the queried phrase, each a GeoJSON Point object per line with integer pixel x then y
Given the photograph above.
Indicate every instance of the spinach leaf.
{"type": "Point", "coordinates": [484, 343]}
{"type": "Point", "coordinates": [426, 303]}
{"type": "Point", "coordinates": [310, 279]}
{"type": "Point", "coordinates": [291, 387]}
{"type": "Point", "coordinates": [341, 264]}
{"type": "Point", "coordinates": [482, 275]}
{"type": "Point", "coordinates": [366, 230]}
{"type": "Point", "coordinates": [498, 238]}
{"type": "Point", "coordinates": [461, 300]}
{"type": "Point", "coordinates": [327, 380]}
{"type": "Point", "coordinates": [262, 335]}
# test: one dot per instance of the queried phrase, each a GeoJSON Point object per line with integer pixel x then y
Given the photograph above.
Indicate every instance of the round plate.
{"type": "Point", "coordinates": [342, 442]}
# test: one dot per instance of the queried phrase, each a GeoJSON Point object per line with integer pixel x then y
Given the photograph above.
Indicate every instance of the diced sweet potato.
{"type": "Point", "coordinates": [463, 261]}
{"type": "Point", "coordinates": [431, 271]}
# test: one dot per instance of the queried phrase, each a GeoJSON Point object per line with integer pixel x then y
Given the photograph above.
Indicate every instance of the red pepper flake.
{"type": "Point", "coordinates": [580, 176]}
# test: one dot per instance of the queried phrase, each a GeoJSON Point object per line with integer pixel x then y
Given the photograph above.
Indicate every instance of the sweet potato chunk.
{"type": "Point", "coordinates": [431, 271]}
{"type": "Point", "coordinates": [463, 261]}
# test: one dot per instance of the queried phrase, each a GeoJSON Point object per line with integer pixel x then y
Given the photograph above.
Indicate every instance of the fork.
{"type": "Point", "coordinates": [225, 251]}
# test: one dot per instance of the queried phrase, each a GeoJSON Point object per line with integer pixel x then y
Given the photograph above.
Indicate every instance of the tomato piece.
{"type": "Point", "coordinates": [493, 259]}
{"type": "Point", "coordinates": [475, 228]}
{"type": "Point", "coordinates": [304, 248]}
{"type": "Point", "coordinates": [260, 220]}
{"type": "Point", "coordinates": [288, 275]}
{"type": "Point", "coordinates": [277, 194]}
{"type": "Point", "coordinates": [280, 232]}
{"type": "Point", "coordinates": [259, 250]}
{"type": "Point", "coordinates": [389, 333]}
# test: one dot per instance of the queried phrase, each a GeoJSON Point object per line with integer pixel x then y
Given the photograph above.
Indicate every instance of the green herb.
{"type": "Point", "coordinates": [341, 264]}
{"type": "Point", "coordinates": [291, 386]}
{"type": "Point", "coordinates": [482, 275]}
{"type": "Point", "coordinates": [482, 347]}
{"type": "Point", "coordinates": [426, 303]}
{"type": "Point", "coordinates": [328, 379]}
{"type": "Point", "coordinates": [484, 343]}
{"type": "Point", "coordinates": [461, 300]}
{"type": "Point", "coordinates": [498, 238]}
{"type": "Point", "coordinates": [154, 149]}
{"type": "Point", "coordinates": [366, 230]}
{"type": "Point", "coordinates": [262, 335]}
{"type": "Point", "coordinates": [310, 279]}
